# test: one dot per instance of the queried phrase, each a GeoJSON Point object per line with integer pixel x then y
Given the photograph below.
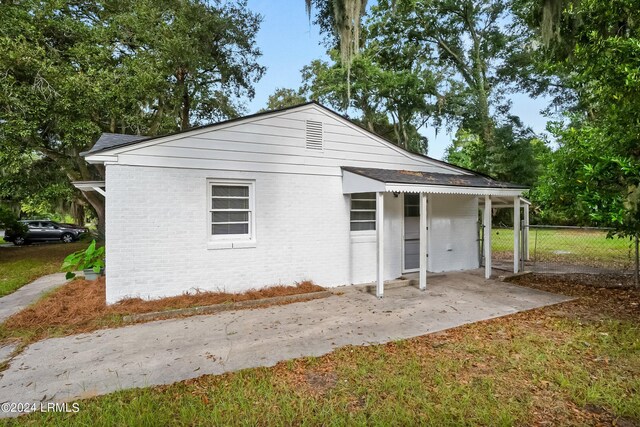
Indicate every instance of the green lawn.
{"type": "Point", "coordinates": [584, 247]}
{"type": "Point", "coordinates": [24, 264]}
{"type": "Point", "coordinates": [574, 364]}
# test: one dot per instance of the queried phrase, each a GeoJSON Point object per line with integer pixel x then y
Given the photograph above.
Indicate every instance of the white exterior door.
{"type": "Point", "coordinates": [411, 244]}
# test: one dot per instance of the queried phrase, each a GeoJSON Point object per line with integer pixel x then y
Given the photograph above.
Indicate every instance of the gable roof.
{"type": "Point", "coordinates": [390, 176]}
{"type": "Point", "coordinates": [122, 140]}
{"type": "Point", "coordinates": [116, 141]}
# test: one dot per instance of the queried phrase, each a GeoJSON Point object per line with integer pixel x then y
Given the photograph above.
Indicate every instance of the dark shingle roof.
{"type": "Point", "coordinates": [112, 140]}
{"type": "Point", "coordinates": [430, 178]}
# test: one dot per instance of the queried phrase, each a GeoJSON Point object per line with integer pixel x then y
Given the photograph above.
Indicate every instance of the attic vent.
{"type": "Point", "coordinates": [314, 135]}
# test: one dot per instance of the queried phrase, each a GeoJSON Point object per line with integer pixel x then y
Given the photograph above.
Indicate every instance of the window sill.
{"type": "Point", "coordinates": [240, 244]}
{"type": "Point", "coordinates": [363, 236]}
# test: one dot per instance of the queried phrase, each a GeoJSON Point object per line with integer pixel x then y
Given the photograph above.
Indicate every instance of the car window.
{"type": "Point", "coordinates": [47, 225]}
{"type": "Point", "coordinates": [33, 224]}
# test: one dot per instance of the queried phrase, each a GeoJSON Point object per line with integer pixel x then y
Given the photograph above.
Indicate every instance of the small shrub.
{"type": "Point", "coordinates": [10, 222]}
{"type": "Point", "coordinates": [90, 258]}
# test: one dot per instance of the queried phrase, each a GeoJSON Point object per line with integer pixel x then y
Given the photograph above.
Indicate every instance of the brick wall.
{"type": "Point", "coordinates": [157, 223]}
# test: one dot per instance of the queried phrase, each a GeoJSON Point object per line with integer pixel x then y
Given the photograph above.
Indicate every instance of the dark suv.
{"type": "Point", "coordinates": [42, 231]}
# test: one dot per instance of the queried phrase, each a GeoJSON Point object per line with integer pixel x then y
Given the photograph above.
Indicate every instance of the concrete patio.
{"type": "Point", "coordinates": [162, 352]}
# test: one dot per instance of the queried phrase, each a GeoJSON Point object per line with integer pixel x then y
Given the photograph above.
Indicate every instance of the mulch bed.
{"type": "Point", "coordinates": [79, 306]}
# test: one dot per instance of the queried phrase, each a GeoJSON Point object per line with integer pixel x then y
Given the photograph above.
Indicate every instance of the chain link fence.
{"type": "Point", "coordinates": [559, 249]}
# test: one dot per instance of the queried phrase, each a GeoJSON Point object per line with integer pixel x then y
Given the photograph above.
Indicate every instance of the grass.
{"type": "Point", "coordinates": [573, 364]}
{"type": "Point", "coordinates": [582, 247]}
{"type": "Point", "coordinates": [24, 264]}
{"type": "Point", "coordinates": [79, 306]}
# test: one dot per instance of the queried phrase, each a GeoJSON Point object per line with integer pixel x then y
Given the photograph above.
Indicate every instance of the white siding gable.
{"type": "Point", "coordinates": [304, 140]}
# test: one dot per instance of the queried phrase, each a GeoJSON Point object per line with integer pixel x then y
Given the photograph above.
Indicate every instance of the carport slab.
{"type": "Point", "coordinates": [163, 352]}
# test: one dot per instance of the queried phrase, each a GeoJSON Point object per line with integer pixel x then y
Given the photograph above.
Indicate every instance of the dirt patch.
{"type": "Point", "coordinates": [79, 306]}
{"type": "Point", "coordinates": [321, 382]}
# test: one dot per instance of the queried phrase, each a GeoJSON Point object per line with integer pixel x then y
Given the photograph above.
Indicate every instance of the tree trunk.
{"type": "Point", "coordinates": [97, 201]}
{"type": "Point", "coordinates": [78, 211]}
{"type": "Point", "coordinates": [185, 107]}
{"type": "Point", "coordinates": [186, 110]}
{"type": "Point", "coordinates": [485, 117]}
{"type": "Point", "coordinates": [482, 93]}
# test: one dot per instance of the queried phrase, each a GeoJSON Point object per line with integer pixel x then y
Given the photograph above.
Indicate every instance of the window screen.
{"type": "Point", "coordinates": [363, 211]}
{"type": "Point", "coordinates": [230, 209]}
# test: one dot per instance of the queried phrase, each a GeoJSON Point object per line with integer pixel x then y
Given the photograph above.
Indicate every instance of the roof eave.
{"type": "Point", "coordinates": [97, 158]}
{"type": "Point", "coordinates": [353, 182]}
{"type": "Point", "coordinates": [450, 189]}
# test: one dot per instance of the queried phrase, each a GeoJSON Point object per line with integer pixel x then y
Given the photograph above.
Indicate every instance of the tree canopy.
{"type": "Point", "coordinates": [283, 98]}
{"type": "Point", "coordinates": [74, 69]}
{"type": "Point", "coordinates": [592, 49]}
{"type": "Point", "coordinates": [71, 70]}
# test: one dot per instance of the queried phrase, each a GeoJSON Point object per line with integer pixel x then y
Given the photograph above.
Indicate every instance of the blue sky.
{"type": "Point", "coordinates": [288, 43]}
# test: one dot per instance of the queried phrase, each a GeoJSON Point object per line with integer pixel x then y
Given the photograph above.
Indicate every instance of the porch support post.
{"type": "Point", "coordinates": [380, 243]}
{"type": "Point", "coordinates": [487, 237]}
{"type": "Point", "coordinates": [516, 234]}
{"type": "Point", "coordinates": [423, 241]}
{"type": "Point", "coordinates": [526, 232]}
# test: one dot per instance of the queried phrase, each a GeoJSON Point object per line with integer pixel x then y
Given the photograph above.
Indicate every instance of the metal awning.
{"type": "Point", "coordinates": [98, 186]}
{"type": "Point", "coordinates": [364, 180]}
{"type": "Point", "coordinates": [504, 202]}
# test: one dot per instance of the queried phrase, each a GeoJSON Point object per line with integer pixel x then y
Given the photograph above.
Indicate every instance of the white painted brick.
{"type": "Point", "coordinates": [157, 234]}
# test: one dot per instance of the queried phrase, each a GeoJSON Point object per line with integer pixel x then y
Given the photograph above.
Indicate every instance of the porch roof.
{"type": "Point", "coordinates": [503, 202]}
{"type": "Point", "coordinates": [362, 180]}
{"type": "Point", "coordinates": [90, 186]}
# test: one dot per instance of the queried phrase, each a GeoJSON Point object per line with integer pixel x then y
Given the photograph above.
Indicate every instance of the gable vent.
{"type": "Point", "coordinates": [314, 135]}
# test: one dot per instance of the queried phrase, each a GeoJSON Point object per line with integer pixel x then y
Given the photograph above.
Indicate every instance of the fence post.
{"type": "Point", "coordinates": [523, 241]}
{"type": "Point", "coordinates": [535, 248]}
{"type": "Point", "coordinates": [637, 272]}
{"type": "Point", "coordinates": [526, 234]}
{"type": "Point", "coordinates": [481, 244]}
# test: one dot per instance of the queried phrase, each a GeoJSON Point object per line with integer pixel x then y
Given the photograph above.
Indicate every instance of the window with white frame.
{"type": "Point", "coordinates": [231, 209]}
{"type": "Point", "coordinates": [363, 211]}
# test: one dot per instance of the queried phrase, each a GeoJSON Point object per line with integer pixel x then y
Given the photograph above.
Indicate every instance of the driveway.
{"type": "Point", "coordinates": [167, 351]}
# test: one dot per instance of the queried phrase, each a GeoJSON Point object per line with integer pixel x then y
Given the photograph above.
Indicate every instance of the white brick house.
{"type": "Point", "coordinates": [279, 197]}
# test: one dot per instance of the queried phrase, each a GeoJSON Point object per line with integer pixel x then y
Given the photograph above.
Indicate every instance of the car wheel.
{"type": "Point", "coordinates": [18, 241]}
{"type": "Point", "coordinates": [67, 237]}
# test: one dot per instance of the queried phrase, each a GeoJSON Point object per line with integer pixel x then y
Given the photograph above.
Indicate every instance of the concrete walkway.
{"type": "Point", "coordinates": [22, 298]}
{"type": "Point", "coordinates": [167, 351]}
{"type": "Point", "coordinates": [28, 294]}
